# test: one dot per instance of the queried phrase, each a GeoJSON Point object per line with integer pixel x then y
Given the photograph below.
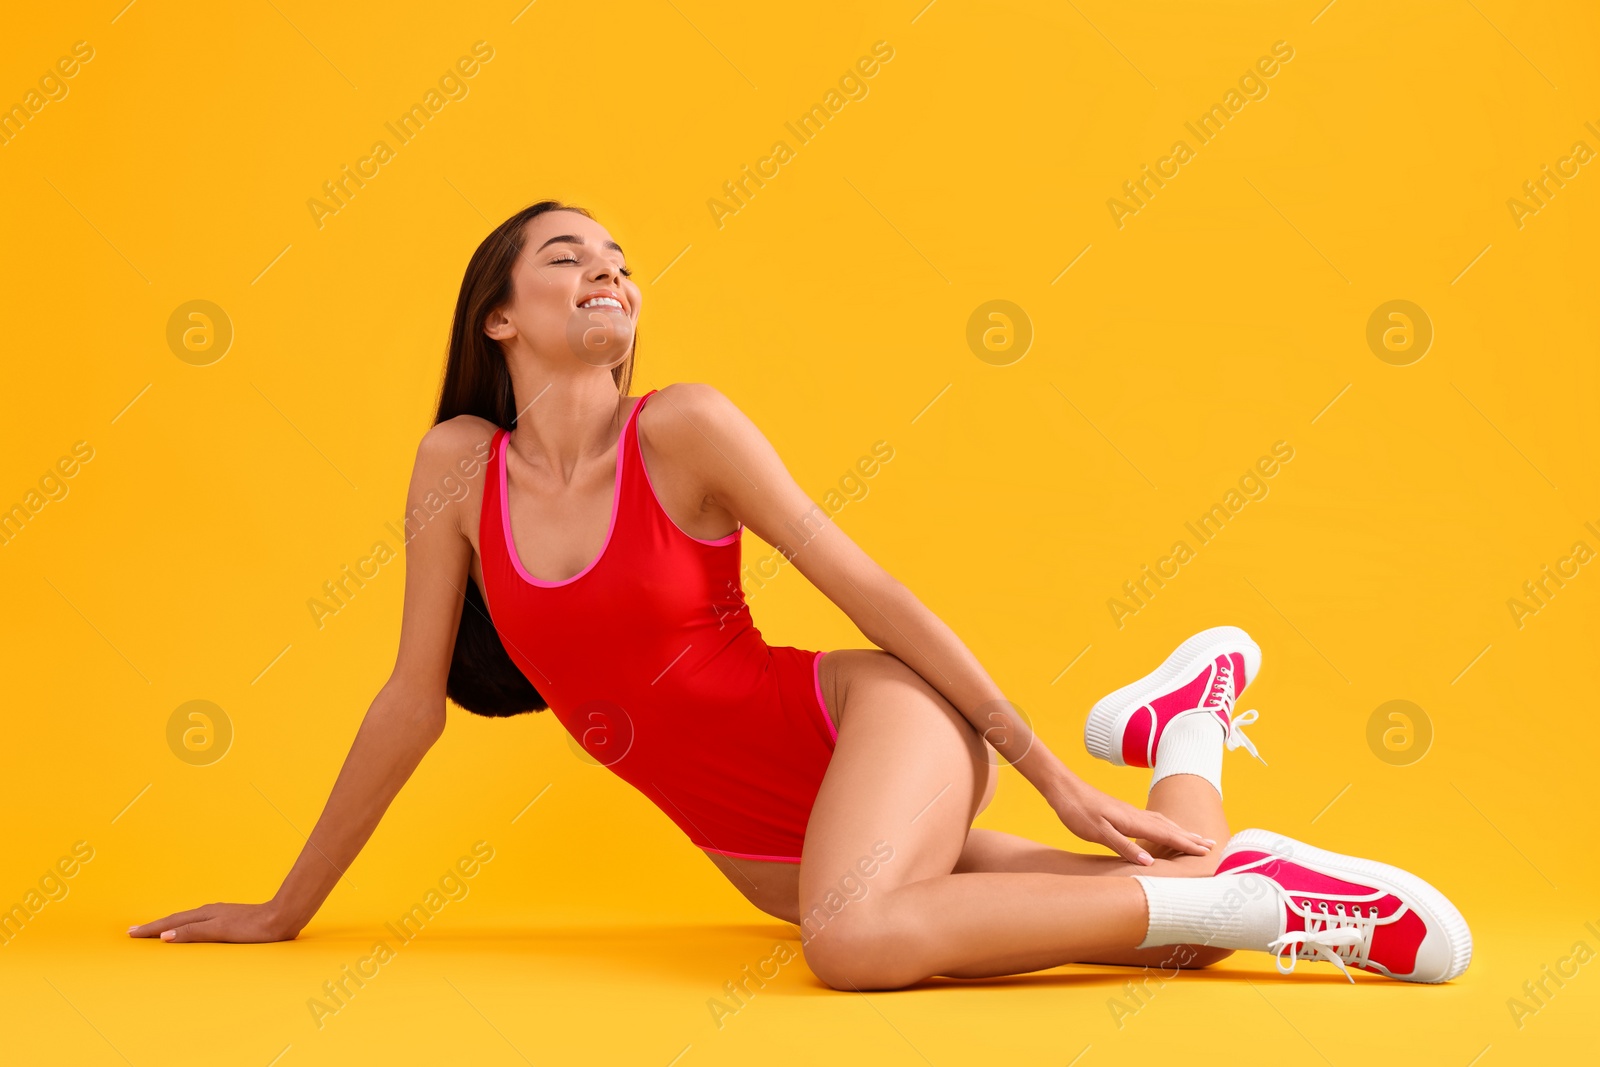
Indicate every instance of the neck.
{"type": "Point", "coordinates": [565, 420]}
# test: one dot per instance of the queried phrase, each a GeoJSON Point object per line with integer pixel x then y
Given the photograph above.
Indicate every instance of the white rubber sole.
{"type": "Point", "coordinates": [1434, 906]}
{"type": "Point", "coordinates": [1102, 731]}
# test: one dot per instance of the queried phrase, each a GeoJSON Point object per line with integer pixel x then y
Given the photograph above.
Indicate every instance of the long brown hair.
{"type": "Point", "coordinates": [483, 679]}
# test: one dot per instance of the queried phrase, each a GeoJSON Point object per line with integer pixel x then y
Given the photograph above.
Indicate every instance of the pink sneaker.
{"type": "Point", "coordinates": [1353, 912]}
{"type": "Point", "coordinates": [1203, 677]}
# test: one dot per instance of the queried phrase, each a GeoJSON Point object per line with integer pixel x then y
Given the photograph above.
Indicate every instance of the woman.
{"type": "Point", "coordinates": [594, 569]}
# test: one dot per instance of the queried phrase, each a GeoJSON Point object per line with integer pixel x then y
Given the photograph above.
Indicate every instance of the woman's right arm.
{"type": "Point", "coordinates": [405, 718]}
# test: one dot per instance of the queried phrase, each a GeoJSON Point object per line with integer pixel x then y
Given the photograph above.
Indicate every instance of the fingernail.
{"type": "Point", "coordinates": [168, 935]}
{"type": "Point", "coordinates": [132, 928]}
{"type": "Point", "coordinates": [1208, 840]}
{"type": "Point", "coordinates": [1144, 857]}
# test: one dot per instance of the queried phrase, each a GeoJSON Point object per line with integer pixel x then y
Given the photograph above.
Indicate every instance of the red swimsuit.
{"type": "Point", "coordinates": [650, 659]}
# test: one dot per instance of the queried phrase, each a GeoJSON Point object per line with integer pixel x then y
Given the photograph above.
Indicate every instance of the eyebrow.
{"type": "Point", "coordinates": [574, 239]}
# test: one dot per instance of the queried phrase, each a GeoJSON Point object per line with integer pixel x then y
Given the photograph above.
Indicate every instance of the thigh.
{"type": "Point", "coordinates": [840, 666]}
{"type": "Point", "coordinates": [907, 775]}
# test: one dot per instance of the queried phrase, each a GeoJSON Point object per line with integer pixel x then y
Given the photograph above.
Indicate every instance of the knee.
{"type": "Point", "coordinates": [859, 951]}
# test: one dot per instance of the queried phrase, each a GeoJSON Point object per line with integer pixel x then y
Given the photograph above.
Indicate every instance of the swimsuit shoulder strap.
{"type": "Point", "coordinates": [630, 431]}
{"type": "Point", "coordinates": [491, 532]}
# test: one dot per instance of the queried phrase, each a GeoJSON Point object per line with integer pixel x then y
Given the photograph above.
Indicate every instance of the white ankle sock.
{"type": "Point", "coordinates": [1191, 744]}
{"type": "Point", "coordinates": [1224, 911]}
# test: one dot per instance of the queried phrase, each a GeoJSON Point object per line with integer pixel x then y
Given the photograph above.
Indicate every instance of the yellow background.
{"type": "Point", "coordinates": [1226, 315]}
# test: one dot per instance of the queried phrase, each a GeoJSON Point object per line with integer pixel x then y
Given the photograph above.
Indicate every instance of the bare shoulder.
{"type": "Point", "coordinates": [457, 447]}
{"type": "Point", "coordinates": [694, 397]}
{"type": "Point", "coordinates": [688, 416]}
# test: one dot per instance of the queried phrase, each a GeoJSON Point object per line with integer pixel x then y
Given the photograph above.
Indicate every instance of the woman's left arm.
{"type": "Point", "coordinates": [745, 476]}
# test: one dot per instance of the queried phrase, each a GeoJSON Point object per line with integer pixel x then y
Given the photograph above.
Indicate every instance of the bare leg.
{"type": "Point", "coordinates": [881, 903]}
{"type": "Point", "coordinates": [1186, 799]}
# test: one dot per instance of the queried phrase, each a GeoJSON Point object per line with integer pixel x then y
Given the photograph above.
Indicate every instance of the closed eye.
{"type": "Point", "coordinates": [624, 271]}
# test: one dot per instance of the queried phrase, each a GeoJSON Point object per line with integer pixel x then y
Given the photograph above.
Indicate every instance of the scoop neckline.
{"type": "Point", "coordinates": [611, 525]}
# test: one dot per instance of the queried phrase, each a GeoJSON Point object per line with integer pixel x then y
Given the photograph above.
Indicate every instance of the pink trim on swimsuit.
{"type": "Point", "coordinates": [725, 539]}
{"type": "Point", "coordinates": [816, 684]}
{"type": "Point", "coordinates": [616, 506]}
{"type": "Point", "coordinates": [748, 856]}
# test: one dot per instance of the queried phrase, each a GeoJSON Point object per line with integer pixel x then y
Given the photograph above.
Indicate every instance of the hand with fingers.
{"type": "Point", "coordinates": [1096, 816]}
{"type": "Point", "coordinates": [237, 923]}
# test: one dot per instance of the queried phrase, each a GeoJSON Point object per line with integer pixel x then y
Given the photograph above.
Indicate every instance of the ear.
{"type": "Point", "coordinates": [498, 326]}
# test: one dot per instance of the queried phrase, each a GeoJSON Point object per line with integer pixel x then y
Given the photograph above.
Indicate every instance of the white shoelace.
{"type": "Point", "coordinates": [1335, 936]}
{"type": "Point", "coordinates": [1222, 694]}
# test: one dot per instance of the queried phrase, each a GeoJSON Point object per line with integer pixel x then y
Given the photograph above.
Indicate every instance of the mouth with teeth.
{"type": "Point", "coordinates": [601, 333]}
{"type": "Point", "coordinates": [602, 302]}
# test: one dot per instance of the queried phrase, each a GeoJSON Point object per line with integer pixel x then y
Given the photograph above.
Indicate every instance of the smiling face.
{"type": "Point", "coordinates": [571, 295]}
